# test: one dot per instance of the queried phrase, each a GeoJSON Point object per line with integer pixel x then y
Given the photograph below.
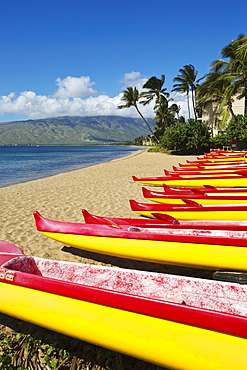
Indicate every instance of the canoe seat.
{"type": "Point", "coordinates": [24, 264]}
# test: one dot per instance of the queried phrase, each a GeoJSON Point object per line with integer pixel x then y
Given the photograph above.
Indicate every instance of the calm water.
{"type": "Point", "coordinates": [25, 163]}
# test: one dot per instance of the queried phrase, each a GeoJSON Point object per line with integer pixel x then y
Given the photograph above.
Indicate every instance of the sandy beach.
{"type": "Point", "coordinates": [103, 189]}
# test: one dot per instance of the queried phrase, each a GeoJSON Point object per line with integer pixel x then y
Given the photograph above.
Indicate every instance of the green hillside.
{"type": "Point", "coordinates": [72, 130]}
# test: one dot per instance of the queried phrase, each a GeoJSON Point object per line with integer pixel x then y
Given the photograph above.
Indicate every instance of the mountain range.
{"type": "Point", "coordinates": [73, 130]}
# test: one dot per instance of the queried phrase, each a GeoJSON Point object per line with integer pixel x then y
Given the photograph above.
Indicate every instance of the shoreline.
{"type": "Point", "coordinates": [26, 175]}
{"type": "Point", "coordinates": [72, 170]}
{"type": "Point", "coordinates": [103, 189]}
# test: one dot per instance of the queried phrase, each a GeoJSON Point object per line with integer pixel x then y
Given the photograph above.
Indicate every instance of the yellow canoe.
{"type": "Point", "coordinates": [207, 256]}
{"type": "Point", "coordinates": [192, 251]}
{"type": "Point", "coordinates": [199, 182]}
{"type": "Point", "coordinates": [192, 211]}
{"type": "Point", "coordinates": [202, 199]}
{"type": "Point", "coordinates": [165, 343]}
{"type": "Point", "coordinates": [161, 318]}
{"type": "Point", "coordinates": [221, 159]}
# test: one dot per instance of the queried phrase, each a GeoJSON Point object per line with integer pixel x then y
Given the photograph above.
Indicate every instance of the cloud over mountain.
{"type": "Point", "coordinates": [75, 96]}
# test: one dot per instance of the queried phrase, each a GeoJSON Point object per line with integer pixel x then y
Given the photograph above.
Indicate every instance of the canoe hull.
{"type": "Point", "coordinates": [224, 182]}
{"type": "Point", "coordinates": [162, 342]}
{"type": "Point", "coordinates": [207, 256]}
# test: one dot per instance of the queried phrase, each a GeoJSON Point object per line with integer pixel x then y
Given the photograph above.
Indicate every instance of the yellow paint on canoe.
{"type": "Point", "coordinates": [162, 342]}
{"type": "Point", "coordinates": [225, 159]}
{"type": "Point", "coordinates": [208, 256]}
{"type": "Point", "coordinates": [199, 201]}
{"type": "Point", "coordinates": [202, 175]}
{"type": "Point", "coordinates": [218, 183]}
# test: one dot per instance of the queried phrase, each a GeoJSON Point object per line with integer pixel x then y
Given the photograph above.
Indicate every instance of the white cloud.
{"type": "Point", "coordinates": [69, 99]}
{"type": "Point", "coordinates": [74, 87]}
{"type": "Point", "coordinates": [133, 79]}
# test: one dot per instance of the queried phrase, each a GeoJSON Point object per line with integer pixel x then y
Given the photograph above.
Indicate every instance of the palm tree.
{"type": "Point", "coordinates": [236, 67]}
{"type": "Point", "coordinates": [164, 114]}
{"type": "Point", "coordinates": [240, 46]}
{"type": "Point", "coordinates": [227, 79]}
{"type": "Point", "coordinates": [155, 86]}
{"type": "Point", "coordinates": [186, 83]}
{"type": "Point", "coordinates": [131, 97]}
{"type": "Point", "coordinates": [157, 92]}
{"type": "Point", "coordinates": [218, 89]}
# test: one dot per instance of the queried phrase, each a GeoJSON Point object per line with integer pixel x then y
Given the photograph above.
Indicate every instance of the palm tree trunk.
{"type": "Point", "coordinates": [158, 142]}
{"type": "Point", "coordinates": [193, 103]}
{"type": "Point", "coordinates": [188, 103]}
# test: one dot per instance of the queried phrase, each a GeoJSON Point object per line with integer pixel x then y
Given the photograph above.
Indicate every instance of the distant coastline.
{"type": "Point", "coordinates": [73, 130]}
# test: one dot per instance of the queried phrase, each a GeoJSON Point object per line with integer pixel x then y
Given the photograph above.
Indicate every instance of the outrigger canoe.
{"type": "Point", "coordinates": [210, 169]}
{"type": "Point", "coordinates": [209, 249]}
{"type": "Point", "coordinates": [178, 198]}
{"type": "Point", "coordinates": [217, 161]}
{"type": "Point", "coordinates": [236, 172]}
{"type": "Point", "coordinates": [172, 321]}
{"type": "Point", "coordinates": [207, 189]}
{"type": "Point", "coordinates": [191, 210]}
{"type": "Point", "coordinates": [221, 158]}
{"type": "Point", "coordinates": [219, 181]}
{"type": "Point", "coordinates": [208, 164]}
{"type": "Point", "coordinates": [225, 153]}
{"type": "Point", "coordinates": [162, 221]}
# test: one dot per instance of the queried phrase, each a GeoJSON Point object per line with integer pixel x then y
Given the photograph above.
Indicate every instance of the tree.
{"type": "Point", "coordinates": [157, 92]}
{"type": "Point", "coordinates": [226, 81]}
{"type": "Point", "coordinates": [131, 97]}
{"type": "Point", "coordinates": [234, 132]}
{"type": "Point", "coordinates": [213, 90]}
{"type": "Point", "coordinates": [191, 135]}
{"type": "Point", "coordinates": [164, 115]}
{"type": "Point", "coordinates": [186, 83]}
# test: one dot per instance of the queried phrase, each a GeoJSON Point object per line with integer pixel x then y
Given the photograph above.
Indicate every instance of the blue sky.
{"type": "Point", "coordinates": [61, 57]}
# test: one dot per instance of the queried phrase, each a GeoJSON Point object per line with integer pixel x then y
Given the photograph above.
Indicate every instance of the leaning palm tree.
{"type": "Point", "coordinates": [187, 82]}
{"type": "Point", "coordinates": [131, 97]}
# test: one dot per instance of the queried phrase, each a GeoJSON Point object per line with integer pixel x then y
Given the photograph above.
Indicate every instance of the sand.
{"type": "Point", "coordinates": [103, 189]}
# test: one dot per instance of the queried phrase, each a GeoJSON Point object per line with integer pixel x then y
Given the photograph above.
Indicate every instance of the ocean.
{"type": "Point", "coordinates": [20, 164]}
